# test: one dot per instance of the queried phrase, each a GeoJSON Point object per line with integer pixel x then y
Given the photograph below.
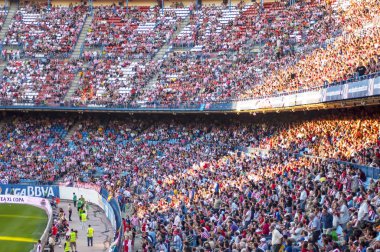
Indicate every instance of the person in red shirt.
{"type": "Point", "coordinates": [273, 186]}
{"type": "Point", "coordinates": [266, 228]}
{"type": "Point", "coordinates": [54, 230]}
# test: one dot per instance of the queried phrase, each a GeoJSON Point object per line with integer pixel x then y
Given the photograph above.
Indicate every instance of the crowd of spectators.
{"type": "Point", "coordinates": [243, 52]}
{"type": "Point", "coordinates": [191, 184]}
{"type": "Point", "coordinates": [184, 77]}
{"type": "Point", "coordinates": [43, 32]}
{"type": "Point", "coordinates": [249, 203]}
{"type": "Point", "coordinates": [355, 139]}
{"type": "Point", "coordinates": [205, 184]}
{"type": "Point", "coordinates": [337, 62]}
{"type": "Point", "coordinates": [28, 147]}
{"type": "Point", "coordinates": [304, 46]}
{"type": "Point", "coordinates": [112, 81]}
{"type": "Point", "coordinates": [138, 32]}
{"type": "Point", "coordinates": [38, 81]}
{"type": "Point", "coordinates": [279, 26]}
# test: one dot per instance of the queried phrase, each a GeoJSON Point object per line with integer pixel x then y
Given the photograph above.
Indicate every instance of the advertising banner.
{"type": "Point", "coordinates": [87, 186]}
{"type": "Point", "coordinates": [289, 100]}
{"type": "Point", "coordinates": [26, 190]}
{"type": "Point", "coordinates": [245, 105]}
{"type": "Point", "coordinates": [4, 181]}
{"type": "Point", "coordinates": [334, 93]}
{"type": "Point", "coordinates": [276, 102]}
{"type": "Point", "coordinates": [264, 103]}
{"type": "Point", "coordinates": [308, 97]}
{"type": "Point", "coordinates": [376, 86]}
{"type": "Point", "coordinates": [25, 200]}
{"type": "Point", "coordinates": [108, 210]}
{"type": "Point", "coordinates": [358, 89]}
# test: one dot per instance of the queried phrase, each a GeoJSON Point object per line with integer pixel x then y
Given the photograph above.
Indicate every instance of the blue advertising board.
{"type": "Point", "coordinates": [30, 190]}
{"type": "Point", "coordinates": [111, 204]}
{"type": "Point", "coordinates": [358, 89]}
{"type": "Point", "coordinates": [109, 212]}
{"type": "Point", "coordinates": [376, 86]}
{"type": "Point", "coordinates": [334, 93]}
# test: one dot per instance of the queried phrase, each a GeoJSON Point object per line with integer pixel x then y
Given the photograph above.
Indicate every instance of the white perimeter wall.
{"type": "Point", "coordinates": [66, 193]}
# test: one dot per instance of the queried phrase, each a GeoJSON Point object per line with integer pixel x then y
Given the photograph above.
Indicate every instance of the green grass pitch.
{"type": "Point", "coordinates": [20, 227]}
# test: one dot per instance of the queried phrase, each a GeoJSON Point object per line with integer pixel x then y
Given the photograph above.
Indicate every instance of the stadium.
{"type": "Point", "coordinates": [181, 126]}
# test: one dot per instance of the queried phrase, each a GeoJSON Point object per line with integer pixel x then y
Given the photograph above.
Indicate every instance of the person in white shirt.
{"type": "Point", "coordinates": [303, 195]}
{"type": "Point", "coordinates": [51, 243]}
{"type": "Point", "coordinates": [234, 206]}
{"type": "Point", "coordinates": [363, 211]}
{"type": "Point", "coordinates": [39, 246]}
{"type": "Point", "coordinates": [296, 231]}
{"type": "Point", "coordinates": [344, 214]}
{"type": "Point", "coordinates": [276, 238]}
{"type": "Point", "coordinates": [263, 244]}
{"type": "Point", "coordinates": [177, 221]}
{"type": "Point", "coordinates": [177, 242]}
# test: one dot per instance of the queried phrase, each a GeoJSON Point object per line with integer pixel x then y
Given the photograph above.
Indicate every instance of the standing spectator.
{"type": "Point", "coordinates": [177, 242]}
{"type": "Point", "coordinates": [276, 238]}
{"type": "Point", "coordinates": [51, 243]}
{"type": "Point", "coordinates": [315, 225]}
{"type": "Point", "coordinates": [363, 211]}
{"type": "Point", "coordinates": [54, 230]}
{"type": "Point", "coordinates": [344, 214]}
{"type": "Point", "coordinates": [75, 199]}
{"type": "Point", "coordinates": [70, 211]}
{"type": "Point", "coordinates": [326, 220]}
{"type": "Point", "coordinates": [39, 246]}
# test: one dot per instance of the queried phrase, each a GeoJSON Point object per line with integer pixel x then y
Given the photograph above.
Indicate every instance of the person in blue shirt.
{"type": "Point", "coordinates": [326, 220]}
{"type": "Point", "coordinates": [152, 236]}
{"type": "Point", "coordinates": [288, 247]}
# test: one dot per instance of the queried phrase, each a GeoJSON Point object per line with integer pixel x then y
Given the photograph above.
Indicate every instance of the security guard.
{"type": "Point", "coordinates": [73, 240]}
{"type": "Point", "coordinates": [80, 214]}
{"type": "Point", "coordinates": [67, 245]}
{"type": "Point", "coordinates": [90, 236]}
{"type": "Point", "coordinates": [83, 218]}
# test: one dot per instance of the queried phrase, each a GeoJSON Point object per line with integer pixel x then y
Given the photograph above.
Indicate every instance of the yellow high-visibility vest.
{"type": "Point", "coordinates": [83, 217]}
{"type": "Point", "coordinates": [67, 246]}
{"type": "Point", "coordinates": [73, 237]}
{"type": "Point", "coordinates": [90, 232]}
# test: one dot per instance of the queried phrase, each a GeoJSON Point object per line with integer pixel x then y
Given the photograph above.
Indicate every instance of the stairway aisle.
{"type": "Point", "coordinates": [82, 36]}
{"type": "Point", "coordinates": [75, 84]}
{"type": "Point", "coordinates": [12, 11]}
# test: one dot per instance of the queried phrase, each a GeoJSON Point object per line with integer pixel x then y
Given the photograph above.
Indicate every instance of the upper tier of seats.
{"type": "Point", "coordinates": [147, 55]}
